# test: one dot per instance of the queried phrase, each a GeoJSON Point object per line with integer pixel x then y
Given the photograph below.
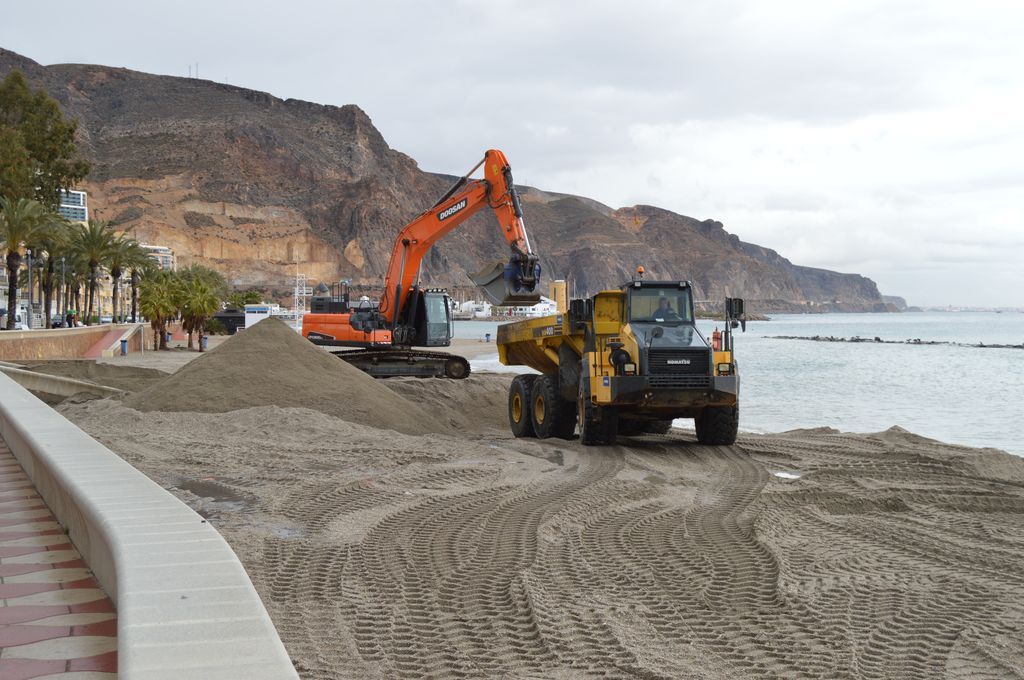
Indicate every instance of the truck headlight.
{"type": "Point", "coordinates": [724, 369]}
{"type": "Point", "coordinates": [629, 369]}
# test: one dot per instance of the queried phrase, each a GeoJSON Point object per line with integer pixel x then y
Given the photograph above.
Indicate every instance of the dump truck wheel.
{"type": "Point", "coordinates": [598, 426]}
{"type": "Point", "coordinates": [718, 425]}
{"type": "Point", "coordinates": [552, 416]}
{"type": "Point", "coordinates": [519, 406]}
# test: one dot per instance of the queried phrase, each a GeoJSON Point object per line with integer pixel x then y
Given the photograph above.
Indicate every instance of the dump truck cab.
{"type": "Point", "coordinates": [660, 337]}
{"type": "Point", "coordinates": [629, 361]}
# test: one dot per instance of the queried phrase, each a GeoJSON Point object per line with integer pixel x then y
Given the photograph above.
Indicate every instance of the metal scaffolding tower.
{"type": "Point", "coordinates": [299, 295]}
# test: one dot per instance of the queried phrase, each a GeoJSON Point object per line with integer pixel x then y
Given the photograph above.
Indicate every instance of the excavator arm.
{"type": "Point", "coordinates": [514, 282]}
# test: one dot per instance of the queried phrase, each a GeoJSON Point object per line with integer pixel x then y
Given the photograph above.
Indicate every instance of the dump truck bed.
{"type": "Point", "coordinates": [534, 342]}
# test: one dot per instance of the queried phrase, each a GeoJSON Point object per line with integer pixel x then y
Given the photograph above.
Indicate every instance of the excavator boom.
{"type": "Point", "coordinates": [514, 282]}
{"type": "Point", "coordinates": [409, 316]}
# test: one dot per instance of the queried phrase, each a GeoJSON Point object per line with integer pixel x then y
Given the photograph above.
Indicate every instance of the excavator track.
{"type": "Point", "coordinates": [391, 363]}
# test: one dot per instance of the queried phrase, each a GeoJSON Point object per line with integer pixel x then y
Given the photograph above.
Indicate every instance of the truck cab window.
{"type": "Point", "coordinates": [654, 305]}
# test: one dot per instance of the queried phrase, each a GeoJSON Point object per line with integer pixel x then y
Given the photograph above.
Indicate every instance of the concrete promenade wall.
{"type": "Point", "coordinates": [185, 606]}
{"type": "Point", "coordinates": [60, 343]}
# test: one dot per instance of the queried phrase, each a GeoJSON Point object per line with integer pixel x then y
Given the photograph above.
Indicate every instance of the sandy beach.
{"type": "Point", "coordinates": [465, 552]}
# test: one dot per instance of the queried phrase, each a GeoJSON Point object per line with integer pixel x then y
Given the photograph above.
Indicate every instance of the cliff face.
{"type": "Point", "coordinates": [260, 188]}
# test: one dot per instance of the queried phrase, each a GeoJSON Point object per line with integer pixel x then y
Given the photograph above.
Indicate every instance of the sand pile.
{"type": "Point", "coordinates": [477, 403]}
{"type": "Point", "coordinates": [272, 365]}
{"type": "Point", "coordinates": [128, 378]}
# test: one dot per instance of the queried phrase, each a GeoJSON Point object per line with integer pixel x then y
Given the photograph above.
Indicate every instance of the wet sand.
{"type": "Point", "coordinates": [469, 553]}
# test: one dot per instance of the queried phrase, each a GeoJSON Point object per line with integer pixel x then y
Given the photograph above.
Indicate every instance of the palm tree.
{"type": "Point", "coordinates": [51, 246]}
{"type": "Point", "coordinates": [211, 277]}
{"type": "Point", "coordinates": [76, 276]}
{"type": "Point", "coordinates": [22, 220]}
{"type": "Point", "coordinates": [94, 242]}
{"type": "Point", "coordinates": [158, 302]}
{"type": "Point", "coordinates": [125, 254]}
{"type": "Point", "coordinates": [198, 303]}
{"type": "Point", "coordinates": [137, 273]}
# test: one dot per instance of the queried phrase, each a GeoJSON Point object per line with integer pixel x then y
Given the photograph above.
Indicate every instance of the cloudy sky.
{"type": "Point", "coordinates": [883, 138]}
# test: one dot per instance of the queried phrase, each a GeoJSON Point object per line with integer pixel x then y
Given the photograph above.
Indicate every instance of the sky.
{"type": "Point", "coordinates": [879, 138]}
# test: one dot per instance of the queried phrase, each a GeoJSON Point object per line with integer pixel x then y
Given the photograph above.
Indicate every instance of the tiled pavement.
{"type": "Point", "coordinates": [55, 622]}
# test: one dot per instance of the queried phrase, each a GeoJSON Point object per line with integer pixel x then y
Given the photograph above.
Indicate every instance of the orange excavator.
{"type": "Point", "coordinates": [408, 316]}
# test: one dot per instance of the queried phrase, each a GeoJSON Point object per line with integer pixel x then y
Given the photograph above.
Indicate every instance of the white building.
{"type": "Point", "coordinates": [471, 309]}
{"type": "Point", "coordinates": [73, 206]}
{"type": "Point", "coordinates": [545, 307]}
{"type": "Point", "coordinates": [163, 255]}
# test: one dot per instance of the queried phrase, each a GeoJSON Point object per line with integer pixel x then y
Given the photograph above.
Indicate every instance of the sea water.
{"type": "Point", "coordinates": [964, 395]}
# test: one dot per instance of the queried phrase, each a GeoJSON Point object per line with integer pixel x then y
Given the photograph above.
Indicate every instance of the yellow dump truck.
{"type": "Point", "coordinates": [625, 361]}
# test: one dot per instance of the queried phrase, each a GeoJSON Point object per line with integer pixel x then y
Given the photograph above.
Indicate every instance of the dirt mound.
{"type": "Point", "coordinates": [272, 365]}
{"type": "Point", "coordinates": [476, 403]}
{"type": "Point", "coordinates": [128, 378]}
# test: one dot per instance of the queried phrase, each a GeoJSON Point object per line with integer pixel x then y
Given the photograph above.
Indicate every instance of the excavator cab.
{"type": "Point", "coordinates": [426, 321]}
{"type": "Point", "coordinates": [437, 326]}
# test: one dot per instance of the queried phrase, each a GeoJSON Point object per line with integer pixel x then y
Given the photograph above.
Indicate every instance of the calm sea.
{"type": "Point", "coordinates": [965, 395]}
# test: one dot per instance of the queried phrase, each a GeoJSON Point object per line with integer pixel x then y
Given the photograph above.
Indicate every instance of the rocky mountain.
{"type": "Point", "coordinates": [259, 188]}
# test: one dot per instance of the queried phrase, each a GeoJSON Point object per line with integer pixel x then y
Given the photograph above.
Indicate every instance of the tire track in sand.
{"type": "Point", "coordinates": [445, 578]}
{"type": "Point", "coordinates": [694, 576]}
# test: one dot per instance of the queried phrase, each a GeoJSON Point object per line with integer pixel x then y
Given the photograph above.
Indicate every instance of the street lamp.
{"type": "Point", "coordinates": [28, 320]}
{"type": "Point", "coordinates": [63, 292]}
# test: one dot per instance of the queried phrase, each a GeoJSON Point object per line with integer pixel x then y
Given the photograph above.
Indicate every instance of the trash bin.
{"type": "Point", "coordinates": [168, 339]}
{"type": "Point", "coordinates": [487, 337]}
{"type": "Point", "coordinates": [205, 342]}
{"type": "Point", "coordinates": [124, 347]}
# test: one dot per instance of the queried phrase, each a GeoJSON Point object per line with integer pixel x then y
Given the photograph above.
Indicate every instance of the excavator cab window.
{"type": "Point", "coordinates": [437, 322]}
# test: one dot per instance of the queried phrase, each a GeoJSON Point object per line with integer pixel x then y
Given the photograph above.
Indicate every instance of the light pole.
{"type": "Point", "coordinates": [28, 319]}
{"type": "Point", "coordinates": [63, 311]}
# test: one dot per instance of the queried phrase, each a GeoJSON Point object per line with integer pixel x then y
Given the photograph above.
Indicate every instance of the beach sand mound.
{"type": "Point", "coordinates": [272, 365]}
{"type": "Point", "coordinates": [476, 404]}
{"type": "Point", "coordinates": [127, 378]}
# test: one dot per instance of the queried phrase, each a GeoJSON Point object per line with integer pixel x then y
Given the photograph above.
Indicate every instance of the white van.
{"type": "Point", "coordinates": [21, 313]}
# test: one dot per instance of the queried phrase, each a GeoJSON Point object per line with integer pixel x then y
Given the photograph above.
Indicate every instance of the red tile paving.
{"type": "Point", "coordinates": [53, 616]}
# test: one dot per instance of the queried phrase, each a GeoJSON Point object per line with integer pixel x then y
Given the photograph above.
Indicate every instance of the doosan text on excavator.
{"type": "Point", "coordinates": [382, 336]}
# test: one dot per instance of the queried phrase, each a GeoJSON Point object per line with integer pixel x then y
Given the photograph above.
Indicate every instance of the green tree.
{"type": "Point", "coordinates": [125, 254]}
{"type": "Point", "coordinates": [21, 221]}
{"type": "Point", "coordinates": [212, 278]}
{"type": "Point", "coordinates": [15, 164]}
{"type": "Point", "coordinates": [198, 304]}
{"type": "Point", "coordinates": [159, 294]}
{"type": "Point", "coordinates": [239, 299]}
{"type": "Point", "coordinates": [38, 154]}
{"type": "Point", "coordinates": [48, 248]}
{"type": "Point", "coordinates": [94, 242]}
{"type": "Point", "coordinates": [138, 272]}
{"type": "Point", "coordinates": [77, 273]}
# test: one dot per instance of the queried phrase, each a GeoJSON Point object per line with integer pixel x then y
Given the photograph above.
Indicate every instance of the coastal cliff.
{"type": "Point", "coordinates": [259, 188]}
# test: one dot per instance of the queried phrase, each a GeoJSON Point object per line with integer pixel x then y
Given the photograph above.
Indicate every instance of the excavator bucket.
{"type": "Point", "coordinates": [503, 287]}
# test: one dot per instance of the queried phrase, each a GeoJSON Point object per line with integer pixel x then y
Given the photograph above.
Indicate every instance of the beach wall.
{"type": "Point", "coordinates": [184, 601]}
{"type": "Point", "coordinates": [61, 343]}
